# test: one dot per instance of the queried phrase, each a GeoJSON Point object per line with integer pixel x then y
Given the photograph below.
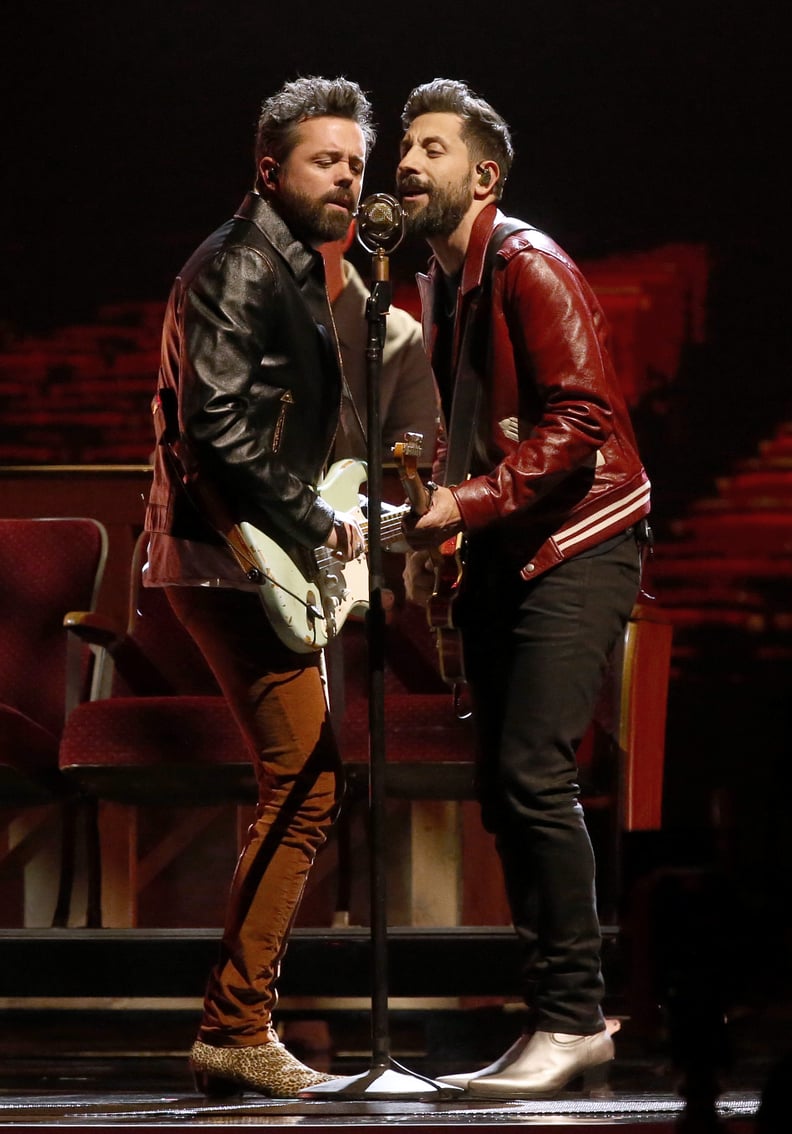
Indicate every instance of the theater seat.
{"type": "Point", "coordinates": [47, 567]}
{"type": "Point", "coordinates": [158, 734]}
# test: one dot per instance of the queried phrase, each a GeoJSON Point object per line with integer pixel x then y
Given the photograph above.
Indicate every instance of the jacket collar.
{"type": "Point", "coordinates": [473, 268]}
{"type": "Point", "coordinates": [300, 258]}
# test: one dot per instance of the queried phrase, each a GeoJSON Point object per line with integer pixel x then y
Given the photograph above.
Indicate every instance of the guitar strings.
{"type": "Point", "coordinates": [390, 528]}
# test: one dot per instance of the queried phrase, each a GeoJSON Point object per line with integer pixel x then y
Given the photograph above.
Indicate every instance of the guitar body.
{"type": "Point", "coordinates": [308, 595]}
{"type": "Point", "coordinates": [447, 564]}
{"type": "Point", "coordinates": [440, 612]}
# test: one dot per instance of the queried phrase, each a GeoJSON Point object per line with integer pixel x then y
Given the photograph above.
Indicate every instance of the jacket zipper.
{"type": "Point", "coordinates": [286, 401]}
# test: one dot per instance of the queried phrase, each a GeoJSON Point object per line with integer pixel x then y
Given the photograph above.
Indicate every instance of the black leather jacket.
{"type": "Point", "coordinates": [249, 385]}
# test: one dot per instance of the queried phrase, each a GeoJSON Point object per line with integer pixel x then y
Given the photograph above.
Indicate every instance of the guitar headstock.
{"type": "Point", "coordinates": [406, 454]}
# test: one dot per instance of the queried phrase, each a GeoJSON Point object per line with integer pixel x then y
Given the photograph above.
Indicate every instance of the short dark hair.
{"type": "Point", "coordinates": [309, 97]}
{"type": "Point", "coordinates": [484, 132]}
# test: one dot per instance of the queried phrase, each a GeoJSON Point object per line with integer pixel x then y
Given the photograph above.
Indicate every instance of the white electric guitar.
{"type": "Point", "coordinates": [309, 594]}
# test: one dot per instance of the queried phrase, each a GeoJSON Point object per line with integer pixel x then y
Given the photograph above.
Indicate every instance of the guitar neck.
{"type": "Point", "coordinates": [390, 525]}
{"type": "Point", "coordinates": [406, 454]}
{"type": "Point", "coordinates": [418, 494]}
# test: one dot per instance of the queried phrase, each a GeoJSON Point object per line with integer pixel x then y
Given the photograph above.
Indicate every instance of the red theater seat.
{"type": "Point", "coordinates": [47, 567]}
{"type": "Point", "coordinates": [160, 733]}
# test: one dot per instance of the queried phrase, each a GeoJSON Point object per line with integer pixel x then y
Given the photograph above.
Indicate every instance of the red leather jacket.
{"type": "Point", "coordinates": [555, 467]}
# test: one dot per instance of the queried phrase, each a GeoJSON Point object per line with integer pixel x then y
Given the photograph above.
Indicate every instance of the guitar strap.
{"type": "Point", "coordinates": [467, 383]}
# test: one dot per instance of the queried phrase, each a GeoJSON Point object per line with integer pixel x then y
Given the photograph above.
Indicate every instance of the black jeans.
{"type": "Point", "coordinates": [535, 655]}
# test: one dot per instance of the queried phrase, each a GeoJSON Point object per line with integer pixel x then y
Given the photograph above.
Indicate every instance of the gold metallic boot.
{"type": "Point", "coordinates": [269, 1069]}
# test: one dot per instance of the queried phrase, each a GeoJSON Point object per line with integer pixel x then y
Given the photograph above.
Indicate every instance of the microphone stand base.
{"type": "Point", "coordinates": [390, 1081]}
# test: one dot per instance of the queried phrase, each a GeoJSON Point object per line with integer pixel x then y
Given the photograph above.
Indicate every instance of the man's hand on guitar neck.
{"type": "Point", "coordinates": [346, 539]}
{"type": "Point", "coordinates": [442, 521]}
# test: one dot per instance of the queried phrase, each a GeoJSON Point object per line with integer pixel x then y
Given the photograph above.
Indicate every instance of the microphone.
{"type": "Point", "coordinates": [380, 223]}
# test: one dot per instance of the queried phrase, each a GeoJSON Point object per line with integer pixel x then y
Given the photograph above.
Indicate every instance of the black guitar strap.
{"type": "Point", "coordinates": [467, 383]}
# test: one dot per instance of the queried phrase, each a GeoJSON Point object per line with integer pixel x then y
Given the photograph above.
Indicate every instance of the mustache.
{"type": "Point", "coordinates": [412, 184]}
{"type": "Point", "coordinates": [346, 200]}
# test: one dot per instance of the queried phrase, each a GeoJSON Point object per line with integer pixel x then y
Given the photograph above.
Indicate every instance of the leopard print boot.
{"type": "Point", "coordinates": [268, 1069]}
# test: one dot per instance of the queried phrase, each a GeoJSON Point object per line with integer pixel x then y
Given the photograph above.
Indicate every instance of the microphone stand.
{"type": "Point", "coordinates": [380, 227]}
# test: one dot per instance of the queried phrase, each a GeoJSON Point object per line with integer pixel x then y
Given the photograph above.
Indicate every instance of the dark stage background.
{"type": "Point", "coordinates": [128, 131]}
{"type": "Point", "coordinates": [128, 134]}
{"type": "Point", "coordinates": [128, 127]}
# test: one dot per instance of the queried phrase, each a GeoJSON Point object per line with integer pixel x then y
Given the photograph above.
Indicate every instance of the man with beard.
{"type": "Point", "coordinates": [541, 478]}
{"type": "Point", "coordinates": [246, 414]}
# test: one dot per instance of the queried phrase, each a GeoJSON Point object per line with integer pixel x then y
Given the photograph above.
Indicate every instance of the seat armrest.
{"type": "Point", "coordinates": [137, 671]}
{"type": "Point", "coordinates": [93, 629]}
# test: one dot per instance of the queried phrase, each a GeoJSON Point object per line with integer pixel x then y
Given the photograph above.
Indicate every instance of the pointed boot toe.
{"type": "Point", "coordinates": [463, 1078]}
{"type": "Point", "coordinates": [548, 1064]}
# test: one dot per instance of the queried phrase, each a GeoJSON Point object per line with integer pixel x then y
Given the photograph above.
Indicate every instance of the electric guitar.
{"type": "Point", "coordinates": [309, 594]}
{"type": "Point", "coordinates": [447, 563]}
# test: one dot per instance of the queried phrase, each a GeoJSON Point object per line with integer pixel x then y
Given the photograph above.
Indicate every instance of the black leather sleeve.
{"type": "Point", "coordinates": [247, 403]}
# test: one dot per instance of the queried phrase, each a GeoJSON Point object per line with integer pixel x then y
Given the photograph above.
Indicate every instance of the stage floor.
{"type": "Point", "coordinates": [92, 1090]}
{"type": "Point", "coordinates": [79, 1101]}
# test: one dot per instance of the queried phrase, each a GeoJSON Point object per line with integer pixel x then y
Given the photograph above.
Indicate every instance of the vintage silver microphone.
{"type": "Point", "coordinates": [380, 223]}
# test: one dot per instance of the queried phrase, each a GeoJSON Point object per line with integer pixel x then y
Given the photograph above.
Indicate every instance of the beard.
{"type": "Point", "coordinates": [443, 212]}
{"type": "Point", "coordinates": [312, 220]}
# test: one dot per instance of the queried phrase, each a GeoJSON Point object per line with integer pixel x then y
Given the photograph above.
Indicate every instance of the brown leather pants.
{"type": "Point", "coordinates": [278, 700]}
